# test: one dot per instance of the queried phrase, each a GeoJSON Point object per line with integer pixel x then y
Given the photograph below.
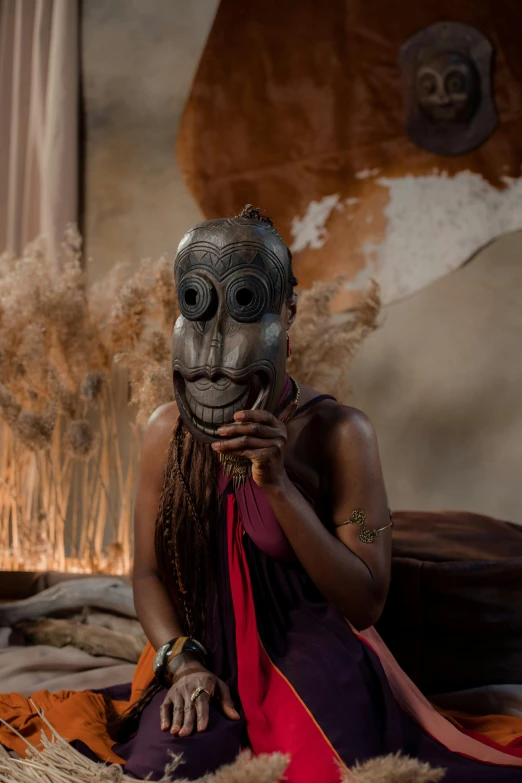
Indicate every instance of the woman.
{"type": "Point", "coordinates": [263, 551]}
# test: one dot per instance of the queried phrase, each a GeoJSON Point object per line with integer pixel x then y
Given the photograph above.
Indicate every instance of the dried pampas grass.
{"type": "Point", "coordinates": [72, 357]}
{"type": "Point", "coordinates": [324, 344]}
{"type": "Point", "coordinates": [395, 768]}
{"type": "Point", "coordinates": [57, 762]}
{"type": "Point", "coordinates": [68, 447]}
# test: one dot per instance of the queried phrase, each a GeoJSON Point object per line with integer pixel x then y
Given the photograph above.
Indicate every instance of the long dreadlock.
{"type": "Point", "coordinates": [186, 527]}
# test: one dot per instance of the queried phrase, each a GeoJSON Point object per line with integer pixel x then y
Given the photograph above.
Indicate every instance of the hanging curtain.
{"type": "Point", "coordinates": [39, 67]}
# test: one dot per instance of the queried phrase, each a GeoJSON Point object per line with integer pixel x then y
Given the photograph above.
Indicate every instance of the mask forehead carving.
{"type": "Point", "coordinates": [229, 346]}
{"type": "Point", "coordinates": [446, 71]}
{"type": "Point", "coordinates": [224, 247]}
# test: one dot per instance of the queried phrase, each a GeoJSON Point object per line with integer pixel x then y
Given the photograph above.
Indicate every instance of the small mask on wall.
{"type": "Point", "coordinates": [446, 71]}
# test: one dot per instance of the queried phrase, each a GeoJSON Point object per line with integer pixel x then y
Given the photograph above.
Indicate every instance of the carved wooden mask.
{"type": "Point", "coordinates": [229, 344]}
{"type": "Point", "coordinates": [446, 72]}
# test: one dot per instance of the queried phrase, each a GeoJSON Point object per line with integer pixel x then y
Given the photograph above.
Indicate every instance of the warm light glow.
{"type": "Point", "coordinates": [71, 565]}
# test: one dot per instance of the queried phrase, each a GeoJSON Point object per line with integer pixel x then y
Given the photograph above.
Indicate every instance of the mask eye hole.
{"type": "Point", "coordinates": [197, 298]}
{"type": "Point", "coordinates": [244, 297]}
{"type": "Point", "coordinates": [248, 298]}
{"type": "Point", "coordinates": [191, 297]}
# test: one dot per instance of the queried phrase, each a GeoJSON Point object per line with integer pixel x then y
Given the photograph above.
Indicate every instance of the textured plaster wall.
{"type": "Point", "coordinates": [138, 60]}
{"type": "Point", "coordinates": [441, 380]}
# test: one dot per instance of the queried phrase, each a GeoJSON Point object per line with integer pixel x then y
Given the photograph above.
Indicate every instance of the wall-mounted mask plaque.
{"type": "Point", "coordinates": [446, 71]}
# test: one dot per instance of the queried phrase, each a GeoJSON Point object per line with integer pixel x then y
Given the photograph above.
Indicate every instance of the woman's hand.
{"type": "Point", "coordinates": [261, 437]}
{"type": "Point", "coordinates": [179, 714]}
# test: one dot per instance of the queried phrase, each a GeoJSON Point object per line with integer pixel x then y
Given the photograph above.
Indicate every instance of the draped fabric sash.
{"type": "Point", "coordinates": [278, 718]}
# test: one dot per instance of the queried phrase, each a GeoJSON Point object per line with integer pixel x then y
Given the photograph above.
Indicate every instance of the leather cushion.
{"type": "Point", "coordinates": [453, 617]}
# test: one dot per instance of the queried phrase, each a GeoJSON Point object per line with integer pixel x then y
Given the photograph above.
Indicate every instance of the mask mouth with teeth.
{"type": "Point", "coordinates": [229, 350]}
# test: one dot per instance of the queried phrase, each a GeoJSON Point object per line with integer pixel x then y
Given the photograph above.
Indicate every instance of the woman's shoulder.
{"type": "Point", "coordinates": [163, 417]}
{"type": "Point", "coordinates": [325, 407]}
{"type": "Point", "coordinates": [159, 429]}
{"type": "Point", "coordinates": [335, 421]}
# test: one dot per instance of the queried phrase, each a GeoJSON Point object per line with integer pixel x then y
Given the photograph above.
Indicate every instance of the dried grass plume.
{"type": "Point", "coordinates": [82, 369]}
{"type": "Point", "coordinates": [60, 763]}
{"type": "Point", "coordinates": [394, 768]}
{"type": "Point", "coordinates": [324, 344]}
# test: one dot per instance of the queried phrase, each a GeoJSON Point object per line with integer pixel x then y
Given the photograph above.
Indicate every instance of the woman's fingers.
{"type": "Point", "coordinates": [260, 416]}
{"type": "Point", "coordinates": [225, 700]}
{"type": "Point", "coordinates": [166, 714]}
{"type": "Point", "coordinates": [182, 715]}
{"type": "Point", "coordinates": [189, 719]}
{"type": "Point", "coordinates": [202, 711]}
{"type": "Point", "coordinates": [178, 713]}
{"type": "Point", "coordinates": [248, 443]}
{"type": "Point", "coordinates": [253, 428]}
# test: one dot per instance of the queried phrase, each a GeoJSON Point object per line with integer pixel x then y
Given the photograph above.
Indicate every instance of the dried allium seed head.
{"type": "Point", "coordinates": [92, 385]}
{"type": "Point", "coordinates": [35, 430]}
{"type": "Point", "coordinates": [81, 438]}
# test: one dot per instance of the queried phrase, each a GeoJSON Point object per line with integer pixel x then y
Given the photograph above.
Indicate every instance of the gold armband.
{"type": "Point", "coordinates": [366, 534]}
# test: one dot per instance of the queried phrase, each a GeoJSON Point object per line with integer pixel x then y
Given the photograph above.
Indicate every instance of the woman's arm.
{"type": "Point", "coordinates": [352, 575]}
{"type": "Point", "coordinates": [154, 608]}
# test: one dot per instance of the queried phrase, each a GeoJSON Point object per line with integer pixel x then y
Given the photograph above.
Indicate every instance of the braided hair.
{"type": "Point", "coordinates": [185, 536]}
{"type": "Point", "coordinates": [186, 527]}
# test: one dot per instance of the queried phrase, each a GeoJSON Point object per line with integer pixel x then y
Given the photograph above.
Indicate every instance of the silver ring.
{"type": "Point", "coordinates": [197, 693]}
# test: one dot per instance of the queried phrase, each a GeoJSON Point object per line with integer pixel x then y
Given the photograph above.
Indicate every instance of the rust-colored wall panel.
{"type": "Point", "coordinates": [295, 102]}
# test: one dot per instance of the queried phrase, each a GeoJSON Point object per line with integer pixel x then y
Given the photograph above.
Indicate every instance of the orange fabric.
{"type": "Point", "coordinates": [456, 736]}
{"type": "Point", "coordinates": [81, 716]}
{"type": "Point", "coordinates": [74, 715]}
{"type": "Point", "coordinates": [502, 729]}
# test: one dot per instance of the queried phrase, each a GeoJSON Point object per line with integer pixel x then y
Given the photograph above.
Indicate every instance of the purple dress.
{"type": "Point", "coordinates": [303, 681]}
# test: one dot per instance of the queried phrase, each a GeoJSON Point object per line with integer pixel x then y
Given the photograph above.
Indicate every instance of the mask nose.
{"type": "Point", "coordinates": [215, 358]}
{"type": "Point", "coordinates": [443, 99]}
{"type": "Point", "coordinates": [213, 347]}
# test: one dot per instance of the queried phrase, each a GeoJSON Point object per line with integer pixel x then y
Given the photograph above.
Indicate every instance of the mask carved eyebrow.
{"type": "Point", "coordinates": [231, 260]}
